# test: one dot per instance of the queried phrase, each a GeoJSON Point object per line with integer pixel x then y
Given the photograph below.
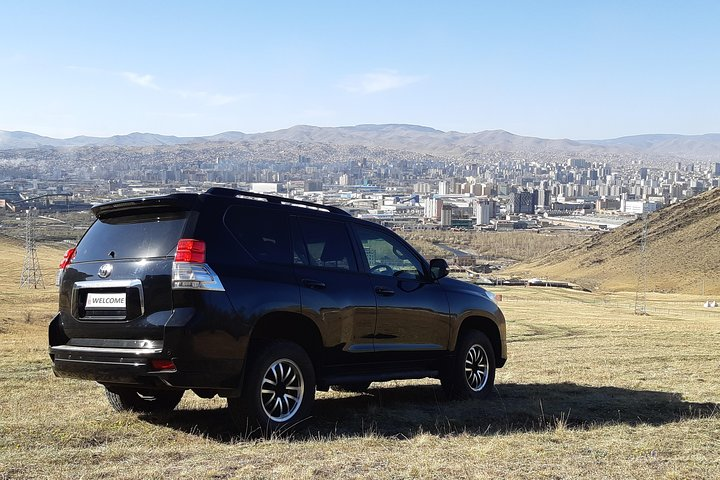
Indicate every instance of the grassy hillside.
{"type": "Point", "coordinates": [590, 391]}
{"type": "Point", "coordinates": [23, 304]}
{"type": "Point", "coordinates": [682, 253]}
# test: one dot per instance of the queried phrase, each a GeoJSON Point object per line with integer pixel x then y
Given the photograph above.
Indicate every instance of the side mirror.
{"type": "Point", "coordinates": [439, 268]}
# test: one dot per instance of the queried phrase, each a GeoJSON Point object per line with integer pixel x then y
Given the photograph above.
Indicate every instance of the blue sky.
{"type": "Point", "coordinates": [553, 69]}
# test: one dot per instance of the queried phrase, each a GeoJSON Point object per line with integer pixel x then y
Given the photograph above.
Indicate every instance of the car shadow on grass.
{"type": "Point", "coordinates": [406, 411]}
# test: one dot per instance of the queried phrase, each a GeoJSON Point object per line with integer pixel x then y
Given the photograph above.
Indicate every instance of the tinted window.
{"type": "Point", "coordinates": [132, 236]}
{"type": "Point", "coordinates": [264, 233]}
{"type": "Point", "coordinates": [327, 244]}
{"type": "Point", "coordinates": [386, 255]}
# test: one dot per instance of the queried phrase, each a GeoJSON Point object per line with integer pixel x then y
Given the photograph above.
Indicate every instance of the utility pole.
{"type": "Point", "coordinates": [641, 292]}
{"type": "Point", "coordinates": [31, 276]}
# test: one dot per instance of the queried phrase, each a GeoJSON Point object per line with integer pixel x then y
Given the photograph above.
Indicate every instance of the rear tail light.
{"type": "Point", "coordinates": [67, 258]}
{"type": "Point", "coordinates": [189, 270]}
{"type": "Point", "coordinates": [189, 250]}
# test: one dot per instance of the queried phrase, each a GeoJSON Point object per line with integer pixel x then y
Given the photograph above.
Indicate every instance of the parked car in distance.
{"type": "Point", "coordinates": [262, 300]}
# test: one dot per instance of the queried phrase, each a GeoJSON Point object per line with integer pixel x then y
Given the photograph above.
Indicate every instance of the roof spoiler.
{"type": "Point", "coordinates": [182, 201]}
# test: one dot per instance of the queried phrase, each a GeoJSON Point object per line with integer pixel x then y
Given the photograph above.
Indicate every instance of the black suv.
{"type": "Point", "coordinates": [262, 300]}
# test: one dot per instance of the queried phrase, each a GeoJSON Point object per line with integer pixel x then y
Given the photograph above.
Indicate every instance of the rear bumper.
{"type": "Point", "coordinates": [108, 365]}
{"type": "Point", "coordinates": [129, 362]}
{"type": "Point", "coordinates": [115, 366]}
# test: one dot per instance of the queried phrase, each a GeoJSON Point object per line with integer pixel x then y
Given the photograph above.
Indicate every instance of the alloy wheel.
{"type": "Point", "coordinates": [476, 367]}
{"type": "Point", "coordinates": [281, 390]}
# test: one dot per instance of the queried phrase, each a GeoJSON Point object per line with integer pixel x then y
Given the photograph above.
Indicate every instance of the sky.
{"type": "Point", "coordinates": [551, 69]}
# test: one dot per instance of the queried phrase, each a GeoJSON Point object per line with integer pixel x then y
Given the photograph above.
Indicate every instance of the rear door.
{"type": "Point", "coordinates": [334, 294]}
{"type": "Point", "coordinates": [258, 277]}
{"type": "Point", "coordinates": [118, 283]}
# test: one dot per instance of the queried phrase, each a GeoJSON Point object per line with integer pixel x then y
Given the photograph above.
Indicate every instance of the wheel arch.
{"type": "Point", "coordinates": [289, 326]}
{"type": "Point", "coordinates": [489, 328]}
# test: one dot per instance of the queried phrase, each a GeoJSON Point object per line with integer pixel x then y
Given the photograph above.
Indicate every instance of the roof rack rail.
{"type": "Point", "coordinates": [231, 192]}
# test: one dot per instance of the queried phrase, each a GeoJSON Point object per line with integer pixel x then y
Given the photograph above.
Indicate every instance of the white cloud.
{"type": "Point", "coordinates": [379, 81]}
{"type": "Point", "coordinates": [146, 81]}
{"type": "Point", "coordinates": [210, 99]}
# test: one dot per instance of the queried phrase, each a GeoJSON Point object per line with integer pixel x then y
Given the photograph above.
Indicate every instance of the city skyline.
{"type": "Point", "coordinates": [555, 70]}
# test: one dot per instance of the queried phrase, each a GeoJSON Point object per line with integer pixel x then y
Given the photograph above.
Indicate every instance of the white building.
{"type": "Point", "coordinates": [482, 214]}
{"type": "Point", "coordinates": [443, 188]}
{"type": "Point", "coordinates": [433, 208]}
{"type": "Point", "coordinates": [259, 187]}
{"type": "Point", "coordinates": [422, 187]}
{"type": "Point", "coordinates": [446, 215]}
{"type": "Point", "coordinates": [638, 206]}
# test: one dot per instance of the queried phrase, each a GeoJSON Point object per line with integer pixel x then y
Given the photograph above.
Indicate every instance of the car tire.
{"type": "Point", "coordinates": [279, 389]}
{"type": "Point", "coordinates": [125, 399]}
{"type": "Point", "coordinates": [471, 372]}
{"type": "Point", "coordinates": [361, 387]}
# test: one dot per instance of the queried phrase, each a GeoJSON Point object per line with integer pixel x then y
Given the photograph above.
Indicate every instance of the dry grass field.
{"type": "Point", "coordinates": [590, 391]}
{"type": "Point", "coordinates": [520, 245]}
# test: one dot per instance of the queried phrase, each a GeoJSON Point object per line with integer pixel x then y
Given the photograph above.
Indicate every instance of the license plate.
{"type": "Point", "coordinates": [105, 301]}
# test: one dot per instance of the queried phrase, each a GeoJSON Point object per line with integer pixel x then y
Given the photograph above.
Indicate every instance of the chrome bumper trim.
{"type": "Point", "coordinates": [114, 351]}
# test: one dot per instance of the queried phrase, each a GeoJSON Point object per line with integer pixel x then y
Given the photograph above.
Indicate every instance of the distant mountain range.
{"type": "Point", "coordinates": [405, 137]}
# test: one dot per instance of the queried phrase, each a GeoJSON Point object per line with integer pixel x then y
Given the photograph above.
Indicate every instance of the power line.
{"type": "Point", "coordinates": [641, 292]}
{"type": "Point", "coordinates": [31, 276]}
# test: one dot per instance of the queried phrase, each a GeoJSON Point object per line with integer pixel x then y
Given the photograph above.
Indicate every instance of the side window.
{"type": "Point", "coordinates": [264, 233]}
{"type": "Point", "coordinates": [386, 255]}
{"type": "Point", "coordinates": [327, 245]}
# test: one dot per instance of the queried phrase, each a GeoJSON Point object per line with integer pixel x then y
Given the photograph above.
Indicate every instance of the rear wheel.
{"type": "Point", "coordinates": [279, 389]}
{"type": "Point", "coordinates": [471, 374]}
{"type": "Point", "coordinates": [142, 400]}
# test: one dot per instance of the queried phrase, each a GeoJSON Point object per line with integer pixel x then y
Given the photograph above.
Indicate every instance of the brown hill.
{"type": "Point", "coordinates": [682, 253]}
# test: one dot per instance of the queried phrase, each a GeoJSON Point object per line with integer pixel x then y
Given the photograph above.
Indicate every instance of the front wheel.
{"type": "Point", "coordinates": [279, 388]}
{"type": "Point", "coordinates": [142, 400]}
{"type": "Point", "coordinates": [471, 374]}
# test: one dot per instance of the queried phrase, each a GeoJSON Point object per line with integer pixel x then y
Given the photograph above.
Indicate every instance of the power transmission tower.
{"type": "Point", "coordinates": [31, 276]}
{"type": "Point", "coordinates": [641, 292]}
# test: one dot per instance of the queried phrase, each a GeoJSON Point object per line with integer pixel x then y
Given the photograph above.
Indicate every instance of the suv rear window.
{"type": "Point", "coordinates": [144, 235]}
{"type": "Point", "coordinates": [327, 244]}
{"type": "Point", "coordinates": [265, 234]}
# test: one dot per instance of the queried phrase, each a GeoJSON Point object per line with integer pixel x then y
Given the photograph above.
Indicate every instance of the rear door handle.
{"type": "Point", "coordinates": [314, 284]}
{"type": "Point", "coordinates": [385, 292]}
